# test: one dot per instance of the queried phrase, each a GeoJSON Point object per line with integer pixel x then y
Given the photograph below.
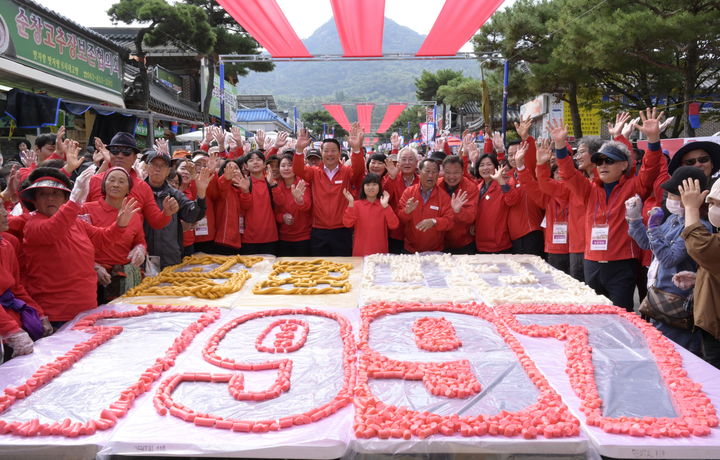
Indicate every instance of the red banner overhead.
{"type": "Point", "coordinates": [364, 112]}
{"type": "Point", "coordinates": [338, 113]}
{"type": "Point", "coordinates": [360, 25]}
{"type": "Point", "coordinates": [393, 111]}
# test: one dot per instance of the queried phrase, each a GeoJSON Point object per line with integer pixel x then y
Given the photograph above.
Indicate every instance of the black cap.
{"type": "Point", "coordinates": [313, 153]}
{"type": "Point", "coordinates": [609, 151]}
{"type": "Point", "coordinates": [437, 156]}
{"type": "Point", "coordinates": [150, 155]}
{"type": "Point", "coordinates": [682, 173]}
{"type": "Point", "coordinates": [123, 140]}
{"type": "Point", "coordinates": [712, 148]}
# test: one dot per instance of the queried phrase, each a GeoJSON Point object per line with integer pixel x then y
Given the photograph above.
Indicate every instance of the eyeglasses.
{"type": "Point", "coordinates": [692, 161]}
{"type": "Point", "coordinates": [604, 160]}
{"type": "Point", "coordinates": [126, 153]}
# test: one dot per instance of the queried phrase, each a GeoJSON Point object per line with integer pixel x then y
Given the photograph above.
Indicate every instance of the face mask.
{"type": "Point", "coordinates": [675, 207]}
{"type": "Point", "coordinates": [714, 215]}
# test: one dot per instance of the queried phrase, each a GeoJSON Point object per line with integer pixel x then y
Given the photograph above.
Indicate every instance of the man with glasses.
{"type": "Point", "coordinates": [123, 153]}
{"type": "Point", "coordinates": [700, 154]}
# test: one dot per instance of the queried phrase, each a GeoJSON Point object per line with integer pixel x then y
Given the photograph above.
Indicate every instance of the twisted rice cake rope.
{"type": "Point", "coordinates": [305, 276]}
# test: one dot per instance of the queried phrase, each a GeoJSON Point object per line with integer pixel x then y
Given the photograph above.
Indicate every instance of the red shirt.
{"type": "Point", "coordinates": [101, 214]}
{"type": "Point", "coordinates": [10, 279]}
{"type": "Point", "coordinates": [260, 224]}
{"type": "Point", "coordinates": [576, 208]}
{"type": "Point", "coordinates": [555, 206]}
{"type": "Point", "coordinates": [371, 222]}
{"type": "Point", "coordinates": [437, 207]}
{"type": "Point", "coordinates": [459, 235]}
{"type": "Point", "coordinates": [491, 222]}
{"type": "Point", "coordinates": [329, 203]}
{"type": "Point", "coordinates": [302, 214]}
{"type": "Point", "coordinates": [396, 187]}
{"type": "Point", "coordinates": [226, 210]}
{"type": "Point", "coordinates": [611, 211]}
{"type": "Point", "coordinates": [141, 192]}
{"type": "Point", "coordinates": [59, 260]}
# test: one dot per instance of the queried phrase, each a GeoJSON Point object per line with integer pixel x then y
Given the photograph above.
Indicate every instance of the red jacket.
{"type": "Point", "coordinates": [191, 193]}
{"type": "Point", "coordinates": [491, 223]}
{"type": "Point", "coordinates": [329, 203]}
{"type": "Point", "coordinates": [59, 260]}
{"type": "Point", "coordinates": [101, 214]}
{"type": "Point", "coordinates": [260, 224]}
{"type": "Point", "coordinates": [371, 222]}
{"type": "Point", "coordinates": [611, 211]}
{"type": "Point", "coordinates": [302, 214]}
{"type": "Point", "coordinates": [10, 279]}
{"type": "Point", "coordinates": [576, 208]}
{"type": "Point", "coordinates": [141, 192]}
{"type": "Point", "coordinates": [226, 211]}
{"type": "Point", "coordinates": [459, 235]}
{"type": "Point", "coordinates": [555, 206]}
{"type": "Point", "coordinates": [437, 207]}
{"type": "Point", "coordinates": [396, 187]}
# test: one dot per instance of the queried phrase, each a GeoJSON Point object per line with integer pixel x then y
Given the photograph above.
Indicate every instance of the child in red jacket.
{"type": "Point", "coordinates": [371, 216]}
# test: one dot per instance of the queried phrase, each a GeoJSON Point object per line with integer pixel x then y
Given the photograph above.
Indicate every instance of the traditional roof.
{"type": "Point", "coordinates": [260, 115]}
{"type": "Point", "coordinates": [125, 37]}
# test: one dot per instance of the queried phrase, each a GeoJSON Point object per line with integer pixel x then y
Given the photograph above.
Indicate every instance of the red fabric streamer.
{"type": "Point", "coordinates": [456, 24]}
{"type": "Point", "coordinates": [268, 25]}
{"type": "Point", "coordinates": [393, 111]}
{"type": "Point", "coordinates": [360, 25]}
{"type": "Point", "coordinates": [338, 113]}
{"type": "Point", "coordinates": [364, 112]}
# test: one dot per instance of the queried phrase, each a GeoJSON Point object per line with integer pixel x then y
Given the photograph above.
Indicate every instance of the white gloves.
{"type": "Point", "coordinates": [137, 255]}
{"type": "Point", "coordinates": [633, 208]}
{"type": "Point", "coordinates": [82, 186]}
{"type": "Point", "coordinates": [21, 343]}
{"type": "Point", "coordinates": [47, 327]}
{"type": "Point", "coordinates": [102, 274]}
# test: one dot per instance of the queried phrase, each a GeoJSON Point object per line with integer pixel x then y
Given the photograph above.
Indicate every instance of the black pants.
{"type": "Point", "coordinates": [615, 280]}
{"type": "Point", "coordinates": [577, 269]}
{"type": "Point", "coordinates": [219, 249]}
{"type": "Point", "coordinates": [560, 261]}
{"type": "Point", "coordinates": [395, 246]}
{"type": "Point", "coordinates": [532, 243]}
{"type": "Point", "coordinates": [336, 242]}
{"type": "Point", "coordinates": [208, 247]}
{"type": "Point", "coordinates": [188, 250]}
{"type": "Point", "coordinates": [293, 248]}
{"type": "Point", "coordinates": [469, 249]}
{"type": "Point", "coordinates": [259, 248]}
{"type": "Point", "coordinates": [710, 348]}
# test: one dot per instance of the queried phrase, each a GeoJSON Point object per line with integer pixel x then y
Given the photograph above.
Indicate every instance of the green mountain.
{"type": "Point", "coordinates": [309, 84]}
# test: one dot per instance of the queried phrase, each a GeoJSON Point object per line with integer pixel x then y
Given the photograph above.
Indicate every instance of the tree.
{"type": "Point", "coordinates": [460, 91]}
{"type": "Point", "coordinates": [413, 115]}
{"type": "Point", "coordinates": [186, 23]}
{"type": "Point", "coordinates": [428, 83]}
{"type": "Point", "coordinates": [314, 122]}
{"type": "Point", "coordinates": [231, 39]}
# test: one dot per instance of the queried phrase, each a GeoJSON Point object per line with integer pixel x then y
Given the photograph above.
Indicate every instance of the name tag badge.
{"type": "Point", "coordinates": [560, 233]}
{"type": "Point", "coordinates": [338, 181]}
{"type": "Point", "coordinates": [434, 208]}
{"type": "Point", "coordinates": [487, 197]}
{"type": "Point", "coordinates": [201, 227]}
{"type": "Point", "coordinates": [599, 237]}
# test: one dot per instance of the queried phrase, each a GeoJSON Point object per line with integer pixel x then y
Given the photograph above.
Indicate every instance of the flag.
{"type": "Point", "coordinates": [694, 115]}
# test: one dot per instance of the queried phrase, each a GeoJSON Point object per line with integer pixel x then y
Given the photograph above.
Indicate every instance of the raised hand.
{"type": "Point", "coordinates": [290, 144]}
{"type": "Point", "coordinates": [523, 128]}
{"type": "Point", "coordinates": [664, 124]}
{"type": "Point", "coordinates": [268, 144]}
{"type": "Point", "coordinates": [440, 144]}
{"type": "Point", "coordinates": [458, 200]}
{"type": "Point", "coordinates": [219, 136]}
{"type": "Point", "coordinates": [543, 152]}
{"type": "Point", "coordinates": [303, 140]}
{"type": "Point", "coordinates": [260, 138]}
{"type": "Point", "coordinates": [355, 138]}
{"type": "Point", "coordinates": [615, 129]}
{"type": "Point", "coordinates": [498, 176]}
{"type": "Point", "coordinates": [391, 168]}
{"type": "Point", "coordinates": [73, 159]}
{"type": "Point", "coordinates": [691, 194]}
{"type": "Point", "coordinates": [520, 154]}
{"type": "Point", "coordinates": [348, 196]}
{"type": "Point", "coordinates": [237, 135]}
{"type": "Point", "coordinates": [281, 139]}
{"type": "Point", "coordinates": [558, 133]}
{"type": "Point", "coordinates": [170, 206]}
{"type": "Point", "coordinates": [100, 147]}
{"type": "Point", "coordinates": [129, 207]}
{"type": "Point", "coordinates": [82, 186]}
{"type": "Point", "coordinates": [395, 141]}
{"type": "Point", "coordinates": [498, 142]}
{"type": "Point", "coordinates": [655, 217]}
{"type": "Point", "coordinates": [162, 146]}
{"type": "Point", "coordinates": [385, 199]}
{"type": "Point", "coordinates": [633, 208]}
{"type": "Point", "coordinates": [298, 192]}
{"type": "Point", "coordinates": [28, 157]}
{"type": "Point", "coordinates": [630, 126]}
{"type": "Point", "coordinates": [59, 145]}
{"type": "Point", "coordinates": [242, 182]}
{"type": "Point", "coordinates": [269, 176]}
{"type": "Point", "coordinates": [140, 168]}
{"type": "Point", "coordinates": [410, 205]}
{"type": "Point", "coordinates": [209, 133]}
{"type": "Point", "coordinates": [650, 124]}
{"type": "Point", "coordinates": [203, 180]}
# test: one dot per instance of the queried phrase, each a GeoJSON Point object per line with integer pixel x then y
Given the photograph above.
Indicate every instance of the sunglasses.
{"type": "Point", "coordinates": [126, 153]}
{"type": "Point", "coordinates": [692, 161]}
{"type": "Point", "coordinates": [603, 160]}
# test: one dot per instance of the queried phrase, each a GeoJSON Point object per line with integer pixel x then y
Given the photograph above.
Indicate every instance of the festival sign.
{"type": "Point", "coordinates": [30, 37]}
{"type": "Point", "coordinates": [230, 99]}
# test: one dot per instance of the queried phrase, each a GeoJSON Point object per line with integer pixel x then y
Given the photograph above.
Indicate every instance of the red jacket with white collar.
{"type": "Point", "coordinates": [555, 206]}
{"type": "Point", "coordinates": [260, 224]}
{"type": "Point", "coordinates": [371, 222]}
{"type": "Point", "coordinates": [491, 222]}
{"type": "Point", "coordinates": [302, 214]}
{"type": "Point", "coordinates": [437, 207]}
{"type": "Point", "coordinates": [459, 235]}
{"type": "Point", "coordinates": [226, 212]}
{"type": "Point", "coordinates": [396, 187]}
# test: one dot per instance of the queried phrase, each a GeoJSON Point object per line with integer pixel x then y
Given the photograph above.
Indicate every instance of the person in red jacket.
{"type": "Point", "coordinates": [425, 211]}
{"type": "Point", "coordinates": [293, 211]}
{"type": "Point", "coordinates": [229, 220]}
{"type": "Point", "coordinates": [399, 177]}
{"type": "Point", "coordinates": [118, 265]}
{"type": "Point", "coordinates": [463, 194]}
{"type": "Point", "coordinates": [123, 153]}
{"type": "Point", "coordinates": [371, 216]}
{"type": "Point", "coordinates": [260, 235]}
{"type": "Point", "coordinates": [611, 262]}
{"type": "Point", "coordinates": [60, 248]}
{"type": "Point", "coordinates": [329, 237]}
{"type": "Point", "coordinates": [21, 318]}
{"type": "Point", "coordinates": [495, 197]}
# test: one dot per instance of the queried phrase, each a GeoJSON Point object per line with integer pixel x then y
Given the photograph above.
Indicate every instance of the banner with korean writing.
{"type": "Point", "coordinates": [230, 99]}
{"type": "Point", "coordinates": [590, 120]}
{"type": "Point", "coordinates": [32, 38]}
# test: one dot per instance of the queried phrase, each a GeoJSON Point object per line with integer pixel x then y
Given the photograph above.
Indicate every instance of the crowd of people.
{"type": "Point", "coordinates": [81, 227]}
